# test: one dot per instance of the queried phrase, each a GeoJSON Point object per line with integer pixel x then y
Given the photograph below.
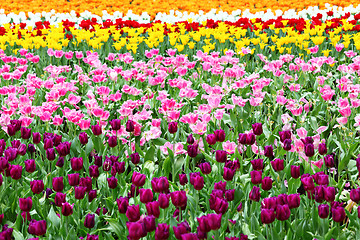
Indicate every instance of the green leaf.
{"type": "Point", "coordinates": [54, 219]}
{"type": "Point", "coordinates": [149, 156]}
{"type": "Point", "coordinates": [17, 235]}
{"type": "Point", "coordinates": [167, 166]}
{"type": "Point", "coordinates": [159, 141]}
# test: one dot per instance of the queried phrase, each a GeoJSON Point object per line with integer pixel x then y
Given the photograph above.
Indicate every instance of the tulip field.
{"type": "Point", "coordinates": [224, 120]}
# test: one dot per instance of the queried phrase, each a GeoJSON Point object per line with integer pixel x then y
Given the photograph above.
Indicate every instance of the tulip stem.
{"type": "Point", "coordinates": [180, 214]}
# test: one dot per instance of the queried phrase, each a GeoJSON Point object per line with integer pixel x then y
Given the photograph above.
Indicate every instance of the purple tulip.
{"type": "Point", "coordinates": [130, 126]}
{"type": "Point", "coordinates": [282, 212]}
{"type": "Point", "coordinates": [257, 129]}
{"type": "Point", "coordinates": [66, 209]}
{"type": "Point", "coordinates": [295, 171]}
{"type": "Point", "coordinates": [293, 200]}
{"type": "Point", "coordinates": [183, 179]}
{"type": "Point", "coordinates": [25, 204]}
{"type": "Point", "coordinates": [123, 204]}
{"type": "Point", "coordinates": [133, 213]}
{"type": "Point", "coordinates": [80, 192]}
{"type": "Point", "coordinates": [268, 151]}
{"type": "Point", "coordinates": [220, 135]}
{"type": "Point", "coordinates": [37, 228]}
{"type": "Point", "coordinates": [146, 195]}
{"type": "Point", "coordinates": [153, 208]}
{"type": "Point", "coordinates": [37, 186]}
{"type": "Point", "coordinates": [76, 163]}
{"type": "Point", "coordinates": [220, 156]}
{"type": "Point", "coordinates": [112, 182]}
{"type": "Point", "coordinates": [267, 216]}
{"type": "Point", "coordinates": [30, 165]}
{"type": "Point", "coordinates": [58, 184]}
{"type": "Point", "coordinates": [135, 158]}
{"type": "Point", "coordinates": [173, 127]}
{"type": "Point", "coordinates": [112, 141]}
{"type": "Point", "coordinates": [255, 194]}
{"type": "Point", "coordinates": [138, 179]}
{"type": "Point", "coordinates": [257, 164]}
{"type": "Point", "coordinates": [211, 139]}
{"type": "Point", "coordinates": [256, 177]}
{"type": "Point", "coordinates": [89, 221]}
{"type": "Point", "coordinates": [115, 124]}
{"type": "Point", "coordinates": [179, 199]}
{"type": "Point", "coordinates": [162, 231]}
{"type": "Point", "coordinates": [278, 164]}
{"type": "Point", "coordinates": [266, 183]}
{"type": "Point", "coordinates": [83, 138]}
{"type": "Point", "coordinates": [323, 210]}
{"type": "Point", "coordinates": [96, 129]}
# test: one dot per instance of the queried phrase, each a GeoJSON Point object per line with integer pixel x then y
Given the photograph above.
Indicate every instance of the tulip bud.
{"type": "Point", "coordinates": [230, 195]}
{"type": "Point", "coordinates": [136, 230]}
{"type": "Point", "coordinates": [287, 144]}
{"type": "Point", "coordinates": [36, 137]}
{"type": "Point", "coordinates": [257, 129]}
{"type": "Point", "coordinates": [138, 179]}
{"type": "Point", "coordinates": [83, 137]}
{"type": "Point", "coordinates": [25, 204]}
{"type": "Point", "coordinates": [149, 223]}
{"type": "Point", "coordinates": [30, 165]}
{"type": "Point", "coordinates": [162, 231]}
{"type": "Point", "coordinates": [282, 212]}
{"type": "Point", "coordinates": [268, 151]}
{"type": "Point", "coordinates": [37, 228]}
{"type": "Point", "coordinates": [190, 139]}
{"type": "Point", "coordinates": [338, 214]}
{"type": "Point", "coordinates": [205, 168]}
{"type": "Point", "coordinates": [25, 133]}
{"type": "Point", "coordinates": [133, 213]}
{"type": "Point", "coordinates": [284, 135]}
{"type": "Point", "coordinates": [211, 139]}
{"type": "Point", "coordinates": [146, 195]}
{"type": "Point", "coordinates": [323, 210]}
{"type": "Point", "coordinates": [322, 149]}
{"type": "Point", "coordinates": [59, 199]}
{"type": "Point", "coordinates": [96, 129]}
{"type": "Point", "coordinates": [355, 195]}
{"type": "Point", "coordinates": [163, 200]}
{"type": "Point", "coordinates": [172, 127]}
{"type": "Point", "coordinates": [115, 124]}
{"type": "Point", "coordinates": [278, 164]}
{"type": "Point", "coordinates": [220, 135]}
{"type": "Point", "coordinates": [153, 208]}
{"type": "Point", "coordinates": [50, 154]}
{"type": "Point", "coordinates": [179, 199]}
{"type": "Point", "coordinates": [266, 183]}
{"type": "Point", "coordinates": [329, 194]}
{"type": "Point", "coordinates": [295, 171]}
{"type": "Point", "coordinates": [89, 221]}
{"type": "Point", "coordinates": [123, 204]}
{"type": "Point", "coordinates": [228, 174]}
{"type": "Point", "coordinates": [37, 186]}
{"type": "Point", "coordinates": [256, 177]}
{"type": "Point", "coordinates": [192, 150]}
{"type": "Point", "coordinates": [257, 164]}
{"type": "Point", "coordinates": [15, 172]}
{"type": "Point", "coordinates": [112, 141]}
{"type": "Point", "coordinates": [329, 161]}
{"type": "Point", "coordinates": [267, 216]}
{"type": "Point", "coordinates": [66, 209]}
{"type": "Point", "coordinates": [92, 195]}
{"type": "Point", "coordinates": [112, 182]}
{"type": "Point", "coordinates": [76, 163]}
{"type": "Point", "coordinates": [80, 192]}
{"type": "Point", "coordinates": [94, 171]}
{"type": "Point", "coordinates": [293, 201]}
{"type": "Point", "coordinates": [183, 179]}
{"type": "Point", "coordinates": [135, 158]}
{"type": "Point", "coordinates": [250, 139]}
{"type": "Point", "coordinates": [221, 156]}
{"type": "Point", "coordinates": [255, 194]}
{"type": "Point", "coordinates": [242, 138]}
{"type": "Point", "coordinates": [58, 184]}
{"type": "Point", "coordinates": [309, 150]}
{"type": "Point", "coordinates": [130, 126]}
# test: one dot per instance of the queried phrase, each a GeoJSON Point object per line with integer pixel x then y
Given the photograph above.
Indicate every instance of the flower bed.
{"type": "Point", "coordinates": [244, 129]}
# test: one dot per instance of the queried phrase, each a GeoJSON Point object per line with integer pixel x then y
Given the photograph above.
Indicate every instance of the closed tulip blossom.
{"type": "Point", "coordinates": [25, 204]}
{"type": "Point", "coordinates": [89, 221]}
{"type": "Point", "coordinates": [162, 231]}
{"type": "Point", "coordinates": [153, 208]}
{"type": "Point", "coordinates": [256, 177]}
{"type": "Point", "coordinates": [67, 209]}
{"type": "Point", "coordinates": [267, 216]}
{"type": "Point", "coordinates": [146, 195]}
{"type": "Point", "coordinates": [266, 183]}
{"type": "Point", "coordinates": [257, 129]}
{"type": "Point", "coordinates": [133, 213]}
{"type": "Point", "coordinates": [323, 210]}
